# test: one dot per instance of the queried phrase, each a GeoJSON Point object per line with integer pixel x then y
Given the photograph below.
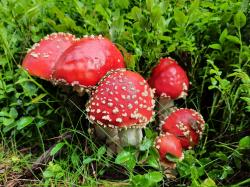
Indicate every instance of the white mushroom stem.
{"type": "Point", "coordinates": [117, 139]}
{"type": "Point", "coordinates": [166, 106]}
{"type": "Point", "coordinates": [111, 137]}
{"type": "Point", "coordinates": [130, 137]}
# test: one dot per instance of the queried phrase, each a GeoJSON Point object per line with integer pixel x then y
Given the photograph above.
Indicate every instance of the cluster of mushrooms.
{"type": "Point", "coordinates": [121, 101]}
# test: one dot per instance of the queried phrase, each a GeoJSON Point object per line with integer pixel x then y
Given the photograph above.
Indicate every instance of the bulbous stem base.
{"type": "Point", "coordinates": [117, 139]}
{"type": "Point", "coordinates": [130, 137]}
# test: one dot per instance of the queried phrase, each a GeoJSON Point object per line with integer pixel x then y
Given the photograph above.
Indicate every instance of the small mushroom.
{"type": "Point", "coordinates": [187, 124]}
{"type": "Point", "coordinates": [84, 63]}
{"type": "Point", "coordinates": [123, 101]}
{"type": "Point", "coordinates": [170, 149]}
{"type": "Point", "coordinates": [170, 82]}
{"type": "Point", "coordinates": [41, 58]}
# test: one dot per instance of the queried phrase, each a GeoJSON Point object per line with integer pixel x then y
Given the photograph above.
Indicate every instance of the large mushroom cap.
{"type": "Point", "coordinates": [168, 144]}
{"type": "Point", "coordinates": [169, 79]}
{"type": "Point", "coordinates": [186, 124]}
{"type": "Point", "coordinates": [87, 61]}
{"type": "Point", "coordinates": [122, 99]}
{"type": "Point", "coordinates": [42, 57]}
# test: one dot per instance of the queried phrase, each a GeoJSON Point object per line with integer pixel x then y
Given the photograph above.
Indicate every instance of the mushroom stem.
{"type": "Point", "coordinates": [166, 106]}
{"type": "Point", "coordinates": [130, 136]}
{"type": "Point", "coordinates": [111, 137]}
{"type": "Point", "coordinates": [117, 139]}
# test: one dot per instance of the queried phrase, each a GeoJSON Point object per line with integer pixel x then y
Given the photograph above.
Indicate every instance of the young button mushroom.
{"type": "Point", "coordinates": [41, 58]}
{"type": "Point", "coordinates": [84, 63]}
{"type": "Point", "coordinates": [170, 82]}
{"type": "Point", "coordinates": [170, 149]}
{"type": "Point", "coordinates": [186, 124]}
{"type": "Point", "coordinates": [122, 101]}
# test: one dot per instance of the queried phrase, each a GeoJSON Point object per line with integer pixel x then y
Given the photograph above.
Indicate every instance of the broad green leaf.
{"type": "Point", "coordinates": [150, 179]}
{"type": "Point", "coordinates": [194, 173]}
{"type": "Point", "coordinates": [75, 159]}
{"type": "Point", "coordinates": [87, 160]}
{"type": "Point", "coordinates": [223, 36]}
{"type": "Point", "coordinates": [4, 113]}
{"type": "Point", "coordinates": [127, 159]}
{"type": "Point", "coordinates": [101, 151]}
{"type": "Point", "coordinates": [154, 177]}
{"type": "Point", "coordinates": [149, 4]}
{"type": "Point", "coordinates": [139, 180]}
{"type": "Point", "coordinates": [153, 162]}
{"type": "Point", "coordinates": [29, 88]}
{"type": "Point", "coordinates": [135, 13]}
{"type": "Point", "coordinates": [156, 14]}
{"type": "Point", "coordinates": [41, 123]}
{"type": "Point", "coordinates": [244, 5]}
{"type": "Point", "coordinates": [48, 174]}
{"type": "Point", "coordinates": [103, 3]}
{"type": "Point", "coordinates": [247, 108]}
{"type": "Point", "coordinates": [165, 38]}
{"type": "Point", "coordinates": [244, 142]}
{"type": "Point", "coordinates": [208, 183]}
{"type": "Point", "coordinates": [23, 122]}
{"type": "Point", "coordinates": [220, 155]}
{"type": "Point", "coordinates": [234, 39]}
{"type": "Point", "coordinates": [227, 170]}
{"type": "Point", "coordinates": [123, 157]}
{"type": "Point", "coordinates": [57, 148]}
{"type": "Point", "coordinates": [240, 19]}
{"type": "Point", "coordinates": [6, 121]}
{"type": "Point", "coordinates": [122, 4]}
{"type": "Point", "coordinates": [172, 47]}
{"type": "Point", "coordinates": [171, 157]}
{"type": "Point", "coordinates": [215, 46]}
{"type": "Point", "coordinates": [146, 144]}
{"type": "Point", "coordinates": [13, 113]}
{"type": "Point", "coordinates": [180, 17]}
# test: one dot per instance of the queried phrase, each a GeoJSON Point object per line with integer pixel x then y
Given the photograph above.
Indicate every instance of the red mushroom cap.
{"type": "Point", "coordinates": [122, 99]}
{"type": "Point", "coordinates": [87, 61]}
{"type": "Point", "coordinates": [169, 79]}
{"type": "Point", "coordinates": [163, 63]}
{"type": "Point", "coordinates": [186, 124]}
{"type": "Point", "coordinates": [168, 144]}
{"type": "Point", "coordinates": [42, 57]}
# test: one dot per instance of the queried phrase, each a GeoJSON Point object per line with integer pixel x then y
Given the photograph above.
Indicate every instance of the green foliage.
{"type": "Point", "coordinates": [209, 39]}
{"type": "Point", "coordinates": [53, 172]}
{"type": "Point", "coordinates": [149, 179]}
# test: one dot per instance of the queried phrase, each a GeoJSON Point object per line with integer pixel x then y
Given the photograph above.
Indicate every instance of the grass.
{"type": "Point", "coordinates": [209, 39]}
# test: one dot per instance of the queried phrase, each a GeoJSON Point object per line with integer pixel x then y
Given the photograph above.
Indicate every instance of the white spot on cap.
{"type": "Point", "coordinates": [119, 120]}
{"type": "Point", "coordinates": [115, 110]}
{"type": "Point", "coordinates": [110, 104]}
{"type": "Point", "coordinates": [107, 117]}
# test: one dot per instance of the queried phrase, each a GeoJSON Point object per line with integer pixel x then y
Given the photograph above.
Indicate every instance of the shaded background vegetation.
{"type": "Point", "coordinates": [209, 39]}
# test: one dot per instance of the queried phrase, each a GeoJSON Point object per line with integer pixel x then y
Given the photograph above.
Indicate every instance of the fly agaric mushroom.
{"type": "Point", "coordinates": [84, 63]}
{"type": "Point", "coordinates": [170, 82]}
{"type": "Point", "coordinates": [169, 79]}
{"type": "Point", "coordinates": [42, 57]}
{"type": "Point", "coordinates": [186, 124]}
{"type": "Point", "coordinates": [123, 101]}
{"type": "Point", "coordinates": [170, 149]}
